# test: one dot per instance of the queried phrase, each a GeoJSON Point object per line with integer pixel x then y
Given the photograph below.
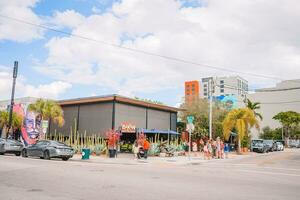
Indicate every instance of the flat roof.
{"type": "Point", "coordinates": [117, 98]}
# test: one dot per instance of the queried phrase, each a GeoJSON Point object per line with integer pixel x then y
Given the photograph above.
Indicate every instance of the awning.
{"type": "Point", "coordinates": [156, 131]}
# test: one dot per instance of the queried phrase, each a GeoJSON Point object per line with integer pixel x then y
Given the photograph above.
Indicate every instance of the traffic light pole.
{"type": "Point", "coordinates": [15, 73]}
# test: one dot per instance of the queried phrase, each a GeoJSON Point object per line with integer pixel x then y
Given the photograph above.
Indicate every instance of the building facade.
{"type": "Point", "coordinates": [96, 115]}
{"type": "Point", "coordinates": [192, 91]}
{"type": "Point", "coordinates": [4, 104]}
{"type": "Point", "coordinates": [224, 86]}
{"type": "Point", "coordinates": [284, 97]}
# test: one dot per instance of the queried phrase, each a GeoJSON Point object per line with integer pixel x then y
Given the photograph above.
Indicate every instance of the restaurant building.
{"type": "Point", "coordinates": [96, 115]}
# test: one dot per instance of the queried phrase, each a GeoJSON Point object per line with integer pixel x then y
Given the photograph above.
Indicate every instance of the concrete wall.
{"type": "Point", "coordinates": [70, 114]}
{"type": "Point", "coordinates": [158, 120]}
{"type": "Point", "coordinates": [129, 113]}
{"type": "Point", "coordinates": [95, 118]}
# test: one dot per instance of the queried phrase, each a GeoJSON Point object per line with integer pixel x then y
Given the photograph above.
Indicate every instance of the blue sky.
{"type": "Point", "coordinates": [58, 66]}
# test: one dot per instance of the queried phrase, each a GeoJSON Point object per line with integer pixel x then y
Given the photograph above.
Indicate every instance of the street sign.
{"type": "Point", "coordinates": [190, 127]}
{"type": "Point", "coordinates": [45, 124]}
{"type": "Point", "coordinates": [190, 119]}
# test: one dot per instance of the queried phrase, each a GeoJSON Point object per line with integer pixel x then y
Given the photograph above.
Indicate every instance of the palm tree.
{"type": "Point", "coordinates": [49, 110]}
{"type": "Point", "coordinates": [241, 120]}
{"type": "Point", "coordinates": [254, 106]}
{"type": "Point", "coordinates": [17, 121]}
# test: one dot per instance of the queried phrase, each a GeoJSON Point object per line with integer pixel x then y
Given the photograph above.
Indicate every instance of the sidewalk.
{"type": "Point", "coordinates": [128, 159]}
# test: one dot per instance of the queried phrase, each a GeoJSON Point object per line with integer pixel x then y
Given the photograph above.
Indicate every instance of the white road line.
{"type": "Point", "coordinates": [270, 173]}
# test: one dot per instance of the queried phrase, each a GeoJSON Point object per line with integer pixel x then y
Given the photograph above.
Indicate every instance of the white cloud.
{"type": "Point", "coordinates": [51, 90]}
{"type": "Point", "coordinates": [68, 18]}
{"type": "Point", "coordinates": [16, 31]}
{"type": "Point", "coordinates": [261, 37]}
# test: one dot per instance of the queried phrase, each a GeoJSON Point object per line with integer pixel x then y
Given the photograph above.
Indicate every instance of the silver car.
{"type": "Point", "coordinates": [10, 146]}
{"type": "Point", "coordinates": [47, 149]}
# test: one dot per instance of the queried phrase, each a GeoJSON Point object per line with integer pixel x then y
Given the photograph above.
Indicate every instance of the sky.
{"type": "Point", "coordinates": [249, 36]}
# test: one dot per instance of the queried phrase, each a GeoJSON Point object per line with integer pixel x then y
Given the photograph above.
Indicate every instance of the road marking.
{"type": "Point", "coordinates": [270, 173]}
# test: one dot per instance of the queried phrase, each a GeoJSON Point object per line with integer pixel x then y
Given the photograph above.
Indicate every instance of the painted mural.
{"type": "Point", "coordinates": [229, 102]}
{"type": "Point", "coordinates": [31, 129]}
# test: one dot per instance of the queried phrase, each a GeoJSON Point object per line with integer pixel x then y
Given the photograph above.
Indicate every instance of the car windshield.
{"type": "Point", "coordinates": [257, 141]}
{"type": "Point", "coordinates": [269, 141]}
{"type": "Point", "coordinates": [58, 143]}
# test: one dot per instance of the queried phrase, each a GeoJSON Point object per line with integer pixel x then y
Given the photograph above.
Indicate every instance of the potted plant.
{"type": "Point", "coordinates": [112, 143]}
{"type": "Point", "coordinates": [245, 144]}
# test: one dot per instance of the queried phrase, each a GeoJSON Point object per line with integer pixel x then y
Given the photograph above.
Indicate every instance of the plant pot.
{"type": "Point", "coordinates": [112, 153]}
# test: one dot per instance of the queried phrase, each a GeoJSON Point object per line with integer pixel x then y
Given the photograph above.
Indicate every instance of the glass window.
{"type": "Point", "coordinates": [221, 86]}
{"type": "Point", "coordinates": [205, 94]}
{"type": "Point", "coordinates": [222, 90]}
{"type": "Point", "coordinates": [221, 81]}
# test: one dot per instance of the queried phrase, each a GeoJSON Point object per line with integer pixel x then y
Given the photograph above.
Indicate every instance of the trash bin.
{"type": "Point", "coordinates": [85, 154]}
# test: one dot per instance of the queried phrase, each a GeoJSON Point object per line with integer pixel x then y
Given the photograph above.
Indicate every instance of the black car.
{"type": "Point", "coordinates": [10, 146]}
{"type": "Point", "coordinates": [48, 149]}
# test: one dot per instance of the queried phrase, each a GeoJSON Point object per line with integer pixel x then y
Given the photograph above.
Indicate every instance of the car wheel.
{"type": "Point", "coordinates": [24, 153]}
{"type": "Point", "coordinates": [18, 153]}
{"type": "Point", "coordinates": [46, 155]}
{"type": "Point", "coordinates": [1, 153]}
{"type": "Point", "coordinates": [65, 158]}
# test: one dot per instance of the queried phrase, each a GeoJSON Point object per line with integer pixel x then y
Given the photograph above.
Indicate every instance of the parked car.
{"type": "Point", "coordinates": [294, 144]}
{"type": "Point", "coordinates": [279, 146]}
{"type": "Point", "coordinates": [10, 146]}
{"type": "Point", "coordinates": [270, 145]}
{"type": "Point", "coordinates": [47, 149]}
{"type": "Point", "coordinates": [258, 146]}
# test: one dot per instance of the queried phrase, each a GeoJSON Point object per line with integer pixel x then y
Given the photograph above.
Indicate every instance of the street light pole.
{"type": "Point", "coordinates": [211, 86]}
{"type": "Point", "coordinates": [15, 74]}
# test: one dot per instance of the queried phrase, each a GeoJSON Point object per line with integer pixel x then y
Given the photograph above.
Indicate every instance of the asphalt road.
{"type": "Point", "coordinates": [266, 176]}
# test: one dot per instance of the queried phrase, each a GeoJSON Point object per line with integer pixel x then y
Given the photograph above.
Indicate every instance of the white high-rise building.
{"type": "Point", "coordinates": [224, 86]}
{"type": "Point", "coordinates": [285, 96]}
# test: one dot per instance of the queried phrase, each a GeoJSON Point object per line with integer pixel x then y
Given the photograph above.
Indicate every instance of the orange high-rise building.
{"type": "Point", "coordinates": [192, 91]}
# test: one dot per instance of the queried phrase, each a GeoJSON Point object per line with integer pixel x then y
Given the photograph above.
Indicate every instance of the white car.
{"type": "Point", "coordinates": [279, 146]}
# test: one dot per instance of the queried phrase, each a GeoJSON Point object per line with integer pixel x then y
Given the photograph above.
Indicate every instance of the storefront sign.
{"type": "Point", "coordinates": [127, 127]}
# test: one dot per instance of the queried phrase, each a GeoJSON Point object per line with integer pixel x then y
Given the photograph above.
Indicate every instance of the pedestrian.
{"type": "Point", "coordinates": [214, 148]}
{"type": "Point", "coordinates": [206, 153]}
{"type": "Point", "coordinates": [136, 149]}
{"type": "Point", "coordinates": [201, 145]}
{"type": "Point", "coordinates": [226, 150]}
{"type": "Point", "coordinates": [218, 148]}
{"type": "Point", "coordinates": [146, 148]}
{"type": "Point", "coordinates": [210, 149]}
{"type": "Point", "coordinates": [222, 149]}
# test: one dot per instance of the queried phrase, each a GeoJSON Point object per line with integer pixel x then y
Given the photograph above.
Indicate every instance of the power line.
{"type": "Point", "coordinates": [144, 52]}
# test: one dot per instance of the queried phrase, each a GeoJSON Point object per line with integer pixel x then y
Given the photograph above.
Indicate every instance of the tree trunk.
{"type": "Point", "coordinates": [239, 145]}
{"type": "Point", "coordinates": [4, 131]}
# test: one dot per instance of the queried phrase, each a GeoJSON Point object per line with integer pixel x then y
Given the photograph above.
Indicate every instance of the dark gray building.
{"type": "Point", "coordinates": [96, 115]}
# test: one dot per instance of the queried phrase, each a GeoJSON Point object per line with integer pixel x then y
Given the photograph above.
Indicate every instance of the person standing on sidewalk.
{"type": "Point", "coordinates": [146, 148]}
{"type": "Point", "coordinates": [226, 150]}
{"type": "Point", "coordinates": [136, 149]}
